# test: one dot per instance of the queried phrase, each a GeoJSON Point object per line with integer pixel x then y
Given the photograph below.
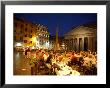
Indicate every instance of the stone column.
{"type": "Point", "coordinates": [77, 44]}
{"type": "Point", "coordinates": [90, 43]}
{"type": "Point", "coordinates": [73, 44]}
{"type": "Point", "coordinates": [69, 44]}
{"type": "Point", "coordinates": [94, 44]}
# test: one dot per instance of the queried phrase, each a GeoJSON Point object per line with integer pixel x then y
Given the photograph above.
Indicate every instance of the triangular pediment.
{"type": "Point", "coordinates": [81, 30]}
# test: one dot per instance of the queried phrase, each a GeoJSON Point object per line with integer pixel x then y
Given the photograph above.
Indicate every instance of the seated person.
{"type": "Point", "coordinates": [49, 59]}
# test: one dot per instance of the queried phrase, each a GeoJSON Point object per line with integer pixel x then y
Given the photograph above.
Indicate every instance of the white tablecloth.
{"type": "Point", "coordinates": [66, 70]}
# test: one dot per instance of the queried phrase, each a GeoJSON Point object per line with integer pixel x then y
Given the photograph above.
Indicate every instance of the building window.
{"type": "Point", "coordinates": [25, 29]}
{"type": "Point", "coordinates": [47, 35]}
{"type": "Point", "coordinates": [21, 31]}
{"type": "Point", "coordinates": [25, 41]}
{"type": "Point", "coordinates": [21, 26]}
{"type": "Point", "coordinates": [30, 36]}
{"type": "Point", "coordinates": [31, 42]}
{"type": "Point", "coordinates": [25, 35]}
{"type": "Point", "coordinates": [38, 28]}
{"type": "Point", "coordinates": [21, 38]}
{"type": "Point", "coordinates": [31, 31]}
{"type": "Point", "coordinates": [44, 29]}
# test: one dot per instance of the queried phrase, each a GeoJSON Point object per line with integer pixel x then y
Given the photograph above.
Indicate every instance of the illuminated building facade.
{"type": "Point", "coordinates": [83, 37]}
{"type": "Point", "coordinates": [27, 34]}
{"type": "Point", "coordinates": [42, 37]}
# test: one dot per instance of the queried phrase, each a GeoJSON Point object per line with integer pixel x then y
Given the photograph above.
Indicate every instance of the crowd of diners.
{"type": "Point", "coordinates": [46, 62]}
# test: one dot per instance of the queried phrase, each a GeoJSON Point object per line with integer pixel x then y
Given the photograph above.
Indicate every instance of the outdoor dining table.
{"type": "Point", "coordinates": [63, 69]}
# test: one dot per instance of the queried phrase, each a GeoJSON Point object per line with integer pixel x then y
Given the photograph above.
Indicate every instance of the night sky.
{"type": "Point", "coordinates": [64, 21]}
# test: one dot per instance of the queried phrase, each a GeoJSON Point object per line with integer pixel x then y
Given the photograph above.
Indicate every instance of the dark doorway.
{"type": "Point", "coordinates": [80, 44]}
{"type": "Point", "coordinates": [75, 44]}
{"type": "Point", "coordinates": [85, 44]}
{"type": "Point", "coordinates": [92, 41]}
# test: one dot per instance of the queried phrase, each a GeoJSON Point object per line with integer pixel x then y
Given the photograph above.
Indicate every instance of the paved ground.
{"type": "Point", "coordinates": [21, 64]}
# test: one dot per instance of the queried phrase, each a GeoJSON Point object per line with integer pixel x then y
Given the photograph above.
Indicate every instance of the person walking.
{"type": "Point", "coordinates": [26, 53]}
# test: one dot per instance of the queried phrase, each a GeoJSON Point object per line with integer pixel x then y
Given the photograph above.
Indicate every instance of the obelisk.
{"type": "Point", "coordinates": [57, 43]}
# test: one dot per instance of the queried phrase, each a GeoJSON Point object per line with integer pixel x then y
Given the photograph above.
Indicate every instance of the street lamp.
{"type": "Point", "coordinates": [34, 41]}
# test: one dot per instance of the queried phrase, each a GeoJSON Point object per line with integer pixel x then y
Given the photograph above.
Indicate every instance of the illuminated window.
{"type": "Point", "coordinates": [47, 36]}
{"type": "Point", "coordinates": [30, 36]}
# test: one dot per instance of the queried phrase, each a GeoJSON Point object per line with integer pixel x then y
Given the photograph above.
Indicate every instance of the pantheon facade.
{"type": "Point", "coordinates": [82, 38]}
